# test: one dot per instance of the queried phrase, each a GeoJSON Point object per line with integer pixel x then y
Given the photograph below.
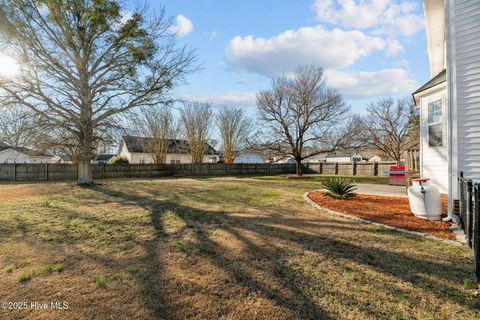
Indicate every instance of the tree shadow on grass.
{"type": "Point", "coordinates": [292, 295]}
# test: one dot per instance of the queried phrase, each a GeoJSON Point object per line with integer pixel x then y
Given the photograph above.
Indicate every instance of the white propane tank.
{"type": "Point", "coordinates": [425, 200]}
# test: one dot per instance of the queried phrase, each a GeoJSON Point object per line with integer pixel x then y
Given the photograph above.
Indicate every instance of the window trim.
{"type": "Point", "coordinates": [433, 98]}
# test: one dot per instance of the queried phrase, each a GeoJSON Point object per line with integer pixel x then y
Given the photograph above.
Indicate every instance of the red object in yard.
{"type": "Point", "coordinates": [398, 176]}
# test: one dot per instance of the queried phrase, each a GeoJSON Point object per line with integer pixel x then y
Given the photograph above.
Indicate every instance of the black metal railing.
{"type": "Point", "coordinates": [470, 216]}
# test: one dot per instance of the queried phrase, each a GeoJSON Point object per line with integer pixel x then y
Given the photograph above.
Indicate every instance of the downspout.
{"type": "Point", "coordinates": [451, 104]}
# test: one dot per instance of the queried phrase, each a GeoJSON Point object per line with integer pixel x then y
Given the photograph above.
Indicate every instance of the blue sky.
{"type": "Point", "coordinates": [369, 48]}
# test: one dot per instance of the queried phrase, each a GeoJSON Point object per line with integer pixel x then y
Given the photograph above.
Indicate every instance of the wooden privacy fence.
{"type": "Point", "coordinates": [349, 169]}
{"type": "Point", "coordinates": [57, 172]}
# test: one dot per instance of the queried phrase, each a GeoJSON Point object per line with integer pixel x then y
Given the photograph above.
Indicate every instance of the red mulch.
{"type": "Point", "coordinates": [392, 211]}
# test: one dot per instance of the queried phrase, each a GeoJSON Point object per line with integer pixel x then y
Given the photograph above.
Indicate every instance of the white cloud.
{"type": "Point", "coordinates": [394, 47]}
{"type": "Point", "coordinates": [309, 45]}
{"type": "Point", "coordinates": [380, 16]}
{"type": "Point", "coordinates": [233, 98]}
{"type": "Point", "coordinates": [369, 84]}
{"type": "Point", "coordinates": [182, 26]}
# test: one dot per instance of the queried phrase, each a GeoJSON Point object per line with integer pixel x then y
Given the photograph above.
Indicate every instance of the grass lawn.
{"type": "Point", "coordinates": [216, 248]}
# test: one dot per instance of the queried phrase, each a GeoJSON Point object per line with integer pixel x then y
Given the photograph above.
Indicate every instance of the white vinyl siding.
{"type": "Point", "coordinates": [466, 53]}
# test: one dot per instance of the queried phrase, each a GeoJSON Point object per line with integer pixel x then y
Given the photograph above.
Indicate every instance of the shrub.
{"type": "Point", "coordinates": [119, 160]}
{"type": "Point", "coordinates": [339, 188]}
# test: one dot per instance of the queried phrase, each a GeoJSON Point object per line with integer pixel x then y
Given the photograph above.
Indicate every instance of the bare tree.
{"type": "Point", "coordinates": [85, 62]}
{"type": "Point", "coordinates": [235, 129]}
{"type": "Point", "coordinates": [389, 126]}
{"type": "Point", "coordinates": [301, 110]}
{"type": "Point", "coordinates": [19, 126]}
{"type": "Point", "coordinates": [160, 125]}
{"type": "Point", "coordinates": [196, 119]}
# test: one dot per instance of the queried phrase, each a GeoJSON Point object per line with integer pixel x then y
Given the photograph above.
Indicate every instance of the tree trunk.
{"type": "Point", "coordinates": [85, 176]}
{"type": "Point", "coordinates": [299, 167]}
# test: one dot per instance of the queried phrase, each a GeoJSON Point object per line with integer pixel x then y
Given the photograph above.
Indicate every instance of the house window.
{"type": "Point", "coordinates": [435, 124]}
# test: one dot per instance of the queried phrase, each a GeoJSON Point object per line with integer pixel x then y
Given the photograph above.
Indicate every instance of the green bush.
{"type": "Point", "coordinates": [339, 188]}
{"type": "Point", "coordinates": [119, 160]}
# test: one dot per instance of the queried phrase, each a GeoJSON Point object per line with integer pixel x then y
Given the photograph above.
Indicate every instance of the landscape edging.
{"type": "Point", "coordinates": [458, 242]}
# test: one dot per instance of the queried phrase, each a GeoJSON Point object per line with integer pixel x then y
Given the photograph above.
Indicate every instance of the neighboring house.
{"type": "Point", "coordinates": [371, 155]}
{"type": "Point", "coordinates": [284, 159]}
{"type": "Point", "coordinates": [343, 157]}
{"type": "Point", "coordinates": [135, 149]}
{"type": "Point", "coordinates": [62, 158]}
{"type": "Point", "coordinates": [102, 158]}
{"type": "Point", "coordinates": [450, 102]}
{"type": "Point", "coordinates": [316, 158]}
{"type": "Point", "coordinates": [375, 158]}
{"type": "Point", "coordinates": [250, 156]}
{"type": "Point", "coordinates": [23, 155]}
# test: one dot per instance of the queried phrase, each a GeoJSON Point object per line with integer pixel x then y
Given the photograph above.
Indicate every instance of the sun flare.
{"type": "Point", "coordinates": [9, 67]}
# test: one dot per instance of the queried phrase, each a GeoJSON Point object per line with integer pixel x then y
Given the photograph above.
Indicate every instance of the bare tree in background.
{"type": "Point", "coordinates": [390, 126]}
{"type": "Point", "coordinates": [196, 119]}
{"type": "Point", "coordinates": [86, 62]}
{"type": "Point", "coordinates": [159, 124]}
{"type": "Point", "coordinates": [58, 141]}
{"type": "Point", "coordinates": [19, 126]}
{"type": "Point", "coordinates": [301, 110]}
{"type": "Point", "coordinates": [235, 129]}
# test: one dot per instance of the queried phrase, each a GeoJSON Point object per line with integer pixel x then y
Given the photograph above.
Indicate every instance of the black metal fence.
{"type": "Point", "coordinates": [470, 216]}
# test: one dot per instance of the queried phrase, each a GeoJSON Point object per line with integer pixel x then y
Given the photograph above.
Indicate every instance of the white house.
{"type": "Point", "coordinates": [250, 156]}
{"type": "Point", "coordinates": [22, 155]}
{"type": "Point", "coordinates": [450, 102]}
{"type": "Point", "coordinates": [375, 158]}
{"type": "Point", "coordinates": [135, 149]}
{"type": "Point", "coordinates": [342, 157]}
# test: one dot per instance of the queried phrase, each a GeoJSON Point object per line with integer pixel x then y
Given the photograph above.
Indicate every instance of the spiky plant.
{"type": "Point", "coordinates": [339, 188]}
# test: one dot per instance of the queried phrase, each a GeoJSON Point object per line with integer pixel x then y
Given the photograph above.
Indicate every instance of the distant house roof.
{"type": "Point", "coordinates": [28, 152]}
{"type": "Point", "coordinates": [439, 78]}
{"type": "Point", "coordinates": [137, 144]}
{"type": "Point", "coordinates": [338, 154]}
{"type": "Point", "coordinates": [103, 157]}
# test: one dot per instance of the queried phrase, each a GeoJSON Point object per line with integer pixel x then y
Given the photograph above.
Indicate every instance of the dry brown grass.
{"type": "Point", "coordinates": [223, 248]}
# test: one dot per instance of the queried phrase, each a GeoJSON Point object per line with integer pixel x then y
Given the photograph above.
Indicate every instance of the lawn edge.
{"type": "Point", "coordinates": [459, 242]}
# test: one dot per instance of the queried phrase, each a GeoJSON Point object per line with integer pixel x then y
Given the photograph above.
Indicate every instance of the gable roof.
{"type": "Point", "coordinates": [338, 154]}
{"type": "Point", "coordinates": [439, 78]}
{"type": "Point", "coordinates": [28, 152]}
{"type": "Point", "coordinates": [137, 144]}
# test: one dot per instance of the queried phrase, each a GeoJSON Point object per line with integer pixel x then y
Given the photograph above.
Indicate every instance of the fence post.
{"type": "Point", "coordinates": [320, 168]}
{"type": "Point", "coordinates": [354, 168]}
{"type": "Point", "coordinates": [469, 215]}
{"type": "Point", "coordinates": [103, 171]}
{"type": "Point", "coordinates": [255, 168]}
{"type": "Point", "coordinates": [375, 169]}
{"type": "Point", "coordinates": [269, 168]}
{"type": "Point", "coordinates": [46, 171]}
{"type": "Point", "coordinates": [14, 171]}
{"type": "Point", "coordinates": [476, 229]}
{"type": "Point", "coordinates": [335, 172]}
{"type": "Point", "coordinates": [241, 168]}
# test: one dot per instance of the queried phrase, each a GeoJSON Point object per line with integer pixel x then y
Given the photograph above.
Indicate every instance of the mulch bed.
{"type": "Point", "coordinates": [392, 211]}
